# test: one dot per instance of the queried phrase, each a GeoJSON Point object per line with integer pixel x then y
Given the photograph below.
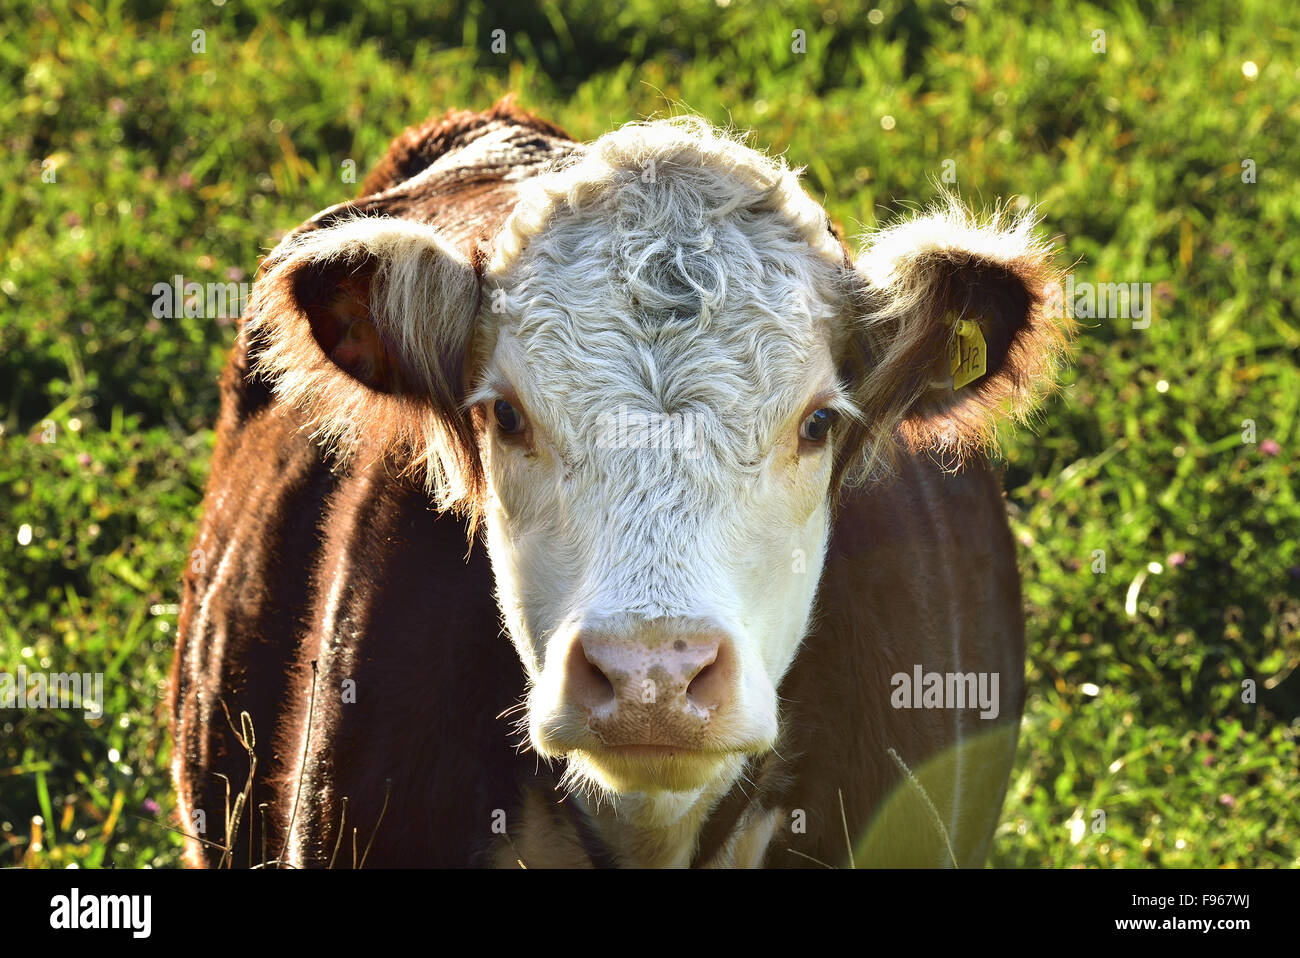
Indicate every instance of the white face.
{"type": "Point", "coordinates": [652, 400]}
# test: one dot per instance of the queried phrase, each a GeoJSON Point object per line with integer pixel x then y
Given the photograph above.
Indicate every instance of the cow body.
{"type": "Point", "coordinates": [332, 603]}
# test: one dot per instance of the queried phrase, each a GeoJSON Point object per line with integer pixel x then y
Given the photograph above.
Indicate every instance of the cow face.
{"type": "Point", "coordinates": [649, 390]}
{"type": "Point", "coordinates": [656, 394]}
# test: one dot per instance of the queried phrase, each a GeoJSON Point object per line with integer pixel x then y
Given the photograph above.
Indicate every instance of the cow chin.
{"type": "Point", "coordinates": [616, 763]}
{"type": "Point", "coordinates": [646, 769]}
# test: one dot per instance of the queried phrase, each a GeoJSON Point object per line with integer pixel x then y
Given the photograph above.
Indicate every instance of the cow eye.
{"type": "Point", "coordinates": [817, 426]}
{"type": "Point", "coordinates": [509, 419]}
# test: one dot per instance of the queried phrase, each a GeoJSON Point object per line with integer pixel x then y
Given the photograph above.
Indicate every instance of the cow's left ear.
{"type": "Point", "coordinates": [958, 327]}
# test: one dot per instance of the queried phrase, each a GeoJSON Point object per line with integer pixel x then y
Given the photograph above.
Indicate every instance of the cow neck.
{"type": "Point", "coordinates": [647, 830]}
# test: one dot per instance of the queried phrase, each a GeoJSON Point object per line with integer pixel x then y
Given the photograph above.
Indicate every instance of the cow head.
{"type": "Point", "coordinates": [649, 385]}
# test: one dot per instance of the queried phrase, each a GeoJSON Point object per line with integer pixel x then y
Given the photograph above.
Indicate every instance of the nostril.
{"type": "Point", "coordinates": [599, 678]}
{"type": "Point", "coordinates": [702, 688]}
{"type": "Point", "coordinates": [587, 684]}
{"type": "Point", "coordinates": [711, 686]}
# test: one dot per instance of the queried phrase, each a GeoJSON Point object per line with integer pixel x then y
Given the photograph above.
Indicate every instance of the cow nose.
{"type": "Point", "coordinates": [652, 688]}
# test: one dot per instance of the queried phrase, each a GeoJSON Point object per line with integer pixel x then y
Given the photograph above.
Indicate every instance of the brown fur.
{"type": "Point", "coordinates": [270, 512]}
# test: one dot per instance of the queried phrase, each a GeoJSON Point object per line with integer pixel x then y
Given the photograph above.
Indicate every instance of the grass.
{"type": "Point", "coordinates": [129, 158]}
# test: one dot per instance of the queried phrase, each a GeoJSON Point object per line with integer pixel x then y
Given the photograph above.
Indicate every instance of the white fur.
{"type": "Point", "coordinates": [889, 254]}
{"type": "Point", "coordinates": [710, 289]}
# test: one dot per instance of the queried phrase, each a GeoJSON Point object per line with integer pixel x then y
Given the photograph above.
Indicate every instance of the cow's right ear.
{"type": "Point", "coordinates": [365, 327]}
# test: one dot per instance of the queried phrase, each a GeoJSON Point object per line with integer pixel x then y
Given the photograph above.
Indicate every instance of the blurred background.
{"type": "Point", "coordinates": [1154, 497]}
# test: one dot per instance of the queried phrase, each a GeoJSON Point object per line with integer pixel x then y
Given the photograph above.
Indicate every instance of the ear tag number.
{"type": "Point", "coordinates": [969, 354]}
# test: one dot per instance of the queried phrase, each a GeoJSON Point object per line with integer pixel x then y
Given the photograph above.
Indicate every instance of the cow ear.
{"type": "Point", "coordinates": [364, 327]}
{"type": "Point", "coordinates": [956, 329]}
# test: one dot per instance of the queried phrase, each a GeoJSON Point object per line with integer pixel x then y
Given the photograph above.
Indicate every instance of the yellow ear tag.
{"type": "Point", "coordinates": [969, 354]}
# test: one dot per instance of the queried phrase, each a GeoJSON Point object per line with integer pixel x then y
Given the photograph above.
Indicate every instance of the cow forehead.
{"type": "Point", "coordinates": [582, 339]}
{"type": "Point", "coordinates": [667, 270]}
{"type": "Point", "coordinates": [670, 177]}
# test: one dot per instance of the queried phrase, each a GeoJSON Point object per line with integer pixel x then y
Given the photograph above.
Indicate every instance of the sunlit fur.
{"type": "Point", "coordinates": [424, 298]}
{"type": "Point", "coordinates": [912, 272]}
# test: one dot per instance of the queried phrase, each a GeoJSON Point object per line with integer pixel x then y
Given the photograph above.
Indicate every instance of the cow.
{"type": "Point", "coordinates": [630, 414]}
